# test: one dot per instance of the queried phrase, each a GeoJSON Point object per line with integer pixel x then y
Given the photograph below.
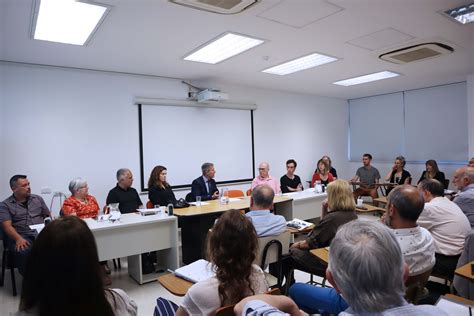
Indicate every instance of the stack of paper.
{"type": "Point", "coordinates": [197, 271]}
{"type": "Point", "coordinates": [298, 224]}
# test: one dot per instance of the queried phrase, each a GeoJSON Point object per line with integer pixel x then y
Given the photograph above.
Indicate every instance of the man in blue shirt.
{"type": "Point", "coordinates": [265, 223]}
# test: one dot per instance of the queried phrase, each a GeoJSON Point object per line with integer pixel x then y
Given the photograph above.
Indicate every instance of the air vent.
{"type": "Point", "coordinates": [416, 53]}
{"type": "Point", "coordinates": [218, 6]}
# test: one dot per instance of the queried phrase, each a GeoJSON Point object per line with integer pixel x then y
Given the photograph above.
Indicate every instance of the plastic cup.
{"type": "Point", "coordinates": [198, 200]}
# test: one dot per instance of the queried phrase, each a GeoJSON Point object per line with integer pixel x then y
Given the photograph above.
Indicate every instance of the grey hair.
{"type": "Point", "coordinates": [75, 184]}
{"type": "Point", "coordinates": [402, 160]}
{"type": "Point", "coordinates": [206, 167]}
{"type": "Point", "coordinates": [263, 195]}
{"type": "Point", "coordinates": [367, 265]}
{"type": "Point", "coordinates": [121, 173]}
{"type": "Point", "coordinates": [468, 173]}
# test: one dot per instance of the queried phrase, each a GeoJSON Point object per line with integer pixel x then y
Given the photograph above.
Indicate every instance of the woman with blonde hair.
{"type": "Point", "coordinates": [338, 209]}
{"type": "Point", "coordinates": [322, 173]}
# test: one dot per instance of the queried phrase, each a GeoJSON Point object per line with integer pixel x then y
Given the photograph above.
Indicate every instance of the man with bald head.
{"type": "Point", "coordinates": [265, 178]}
{"type": "Point", "coordinates": [463, 180]}
{"type": "Point", "coordinates": [265, 223]}
{"type": "Point", "coordinates": [405, 204]}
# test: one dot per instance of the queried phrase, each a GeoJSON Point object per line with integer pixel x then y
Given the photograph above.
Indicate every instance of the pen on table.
{"type": "Point", "coordinates": [171, 271]}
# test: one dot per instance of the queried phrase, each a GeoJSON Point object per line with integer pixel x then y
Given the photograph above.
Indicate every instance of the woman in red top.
{"type": "Point", "coordinates": [322, 173]}
{"type": "Point", "coordinates": [80, 203]}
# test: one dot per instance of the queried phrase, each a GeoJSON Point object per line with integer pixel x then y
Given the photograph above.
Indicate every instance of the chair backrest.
{"type": "Point", "coordinates": [446, 183]}
{"type": "Point", "coordinates": [271, 248]}
{"type": "Point", "coordinates": [249, 192]}
{"type": "Point", "coordinates": [464, 286]}
{"type": "Point", "coordinates": [234, 193]}
{"type": "Point", "coordinates": [414, 286]}
{"type": "Point", "coordinates": [189, 197]}
{"type": "Point", "coordinates": [149, 204]}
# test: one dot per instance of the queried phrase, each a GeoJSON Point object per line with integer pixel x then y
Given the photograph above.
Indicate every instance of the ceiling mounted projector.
{"type": "Point", "coordinates": [210, 96]}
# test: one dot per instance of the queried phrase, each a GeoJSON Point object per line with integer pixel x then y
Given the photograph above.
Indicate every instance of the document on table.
{"type": "Point", "coordinates": [199, 270]}
{"type": "Point", "coordinates": [37, 227]}
{"type": "Point", "coordinates": [202, 203]}
{"type": "Point", "coordinates": [452, 307]}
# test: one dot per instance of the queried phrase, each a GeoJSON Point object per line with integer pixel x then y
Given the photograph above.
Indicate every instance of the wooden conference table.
{"type": "Point", "coordinates": [465, 271]}
{"type": "Point", "coordinates": [133, 235]}
{"type": "Point", "coordinates": [195, 221]}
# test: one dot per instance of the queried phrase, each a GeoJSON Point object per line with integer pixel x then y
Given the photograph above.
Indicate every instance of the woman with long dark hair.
{"type": "Point", "coordinates": [159, 191]}
{"type": "Point", "coordinates": [432, 172]}
{"type": "Point", "coordinates": [63, 275]}
{"type": "Point", "coordinates": [232, 249]}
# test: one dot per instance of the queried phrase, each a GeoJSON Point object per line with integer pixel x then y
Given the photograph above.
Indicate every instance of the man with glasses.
{"type": "Point", "coordinates": [17, 213]}
{"type": "Point", "coordinates": [264, 178]}
{"type": "Point", "coordinates": [290, 182]}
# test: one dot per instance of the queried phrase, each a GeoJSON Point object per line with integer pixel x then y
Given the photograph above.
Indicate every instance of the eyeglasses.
{"type": "Point", "coordinates": [261, 169]}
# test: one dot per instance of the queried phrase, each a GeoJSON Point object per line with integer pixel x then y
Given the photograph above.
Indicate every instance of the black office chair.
{"type": "Point", "coordinates": [8, 261]}
{"type": "Point", "coordinates": [446, 183]}
{"type": "Point", "coordinates": [189, 197]}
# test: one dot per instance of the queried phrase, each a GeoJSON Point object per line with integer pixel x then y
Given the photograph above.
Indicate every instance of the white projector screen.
{"type": "Point", "coordinates": [183, 138]}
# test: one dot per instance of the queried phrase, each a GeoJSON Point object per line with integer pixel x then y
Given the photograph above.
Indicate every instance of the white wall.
{"type": "Point", "coordinates": [470, 113]}
{"type": "Point", "coordinates": [61, 123]}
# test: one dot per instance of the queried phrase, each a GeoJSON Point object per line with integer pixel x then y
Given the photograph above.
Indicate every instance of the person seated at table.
{"type": "Point", "coordinates": [463, 180]}
{"type": "Point", "coordinates": [232, 249]}
{"type": "Point", "coordinates": [471, 163]}
{"type": "Point", "coordinates": [123, 193]}
{"type": "Point", "coordinates": [322, 174]}
{"type": "Point", "coordinates": [17, 213]}
{"type": "Point", "coordinates": [63, 276]}
{"type": "Point", "coordinates": [265, 223]}
{"type": "Point", "coordinates": [398, 174]}
{"type": "Point", "coordinates": [205, 186]}
{"type": "Point", "coordinates": [290, 182]}
{"type": "Point", "coordinates": [368, 176]}
{"type": "Point", "coordinates": [448, 225]}
{"type": "Point", "coordinates": [80, 203]}
{"type": "Point", "coordinates": [432, 172]}
{"type": "Point", "coordinates": [265, 178]}
{"type": "Point", "coordinates": [332, 170]}
{"type": "Point", "coordinates": [336, 211]}
{"type": "Point", "coordinates": [366, 267]}
{"type": "Point", "coordinates": [159, 191]}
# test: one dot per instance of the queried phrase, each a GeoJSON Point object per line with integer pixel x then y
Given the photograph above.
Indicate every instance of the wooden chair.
{"type": "Point", "coordinates": [271, 250]}
{"type": "Point", "coordinates": [415, 285]}
{"type": "Point", "coordinates": [228, 310]}
{"type": "Point", "coordinates": [249, 192]}
{"type": "Point", "coordinates": [234, 193]}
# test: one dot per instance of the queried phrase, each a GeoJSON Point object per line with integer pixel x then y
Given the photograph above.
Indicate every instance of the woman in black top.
{"type": "Point", "coordinates": [159, 191]}
{"type": "Point", "coordinates": [398, 174]}
{"type": "Point", "coordinates": [432, 172]}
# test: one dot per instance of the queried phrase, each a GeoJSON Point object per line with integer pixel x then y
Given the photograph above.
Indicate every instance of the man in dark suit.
{"type": "Point", "coordinates": [205, 186]}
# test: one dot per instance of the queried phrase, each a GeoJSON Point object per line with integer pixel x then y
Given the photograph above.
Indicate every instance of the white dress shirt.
{"type": "Point", "coordinates": [447, 224]}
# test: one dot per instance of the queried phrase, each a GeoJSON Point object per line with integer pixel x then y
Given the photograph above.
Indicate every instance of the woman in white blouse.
{"type": "Point", "coordinates": [232, 248]}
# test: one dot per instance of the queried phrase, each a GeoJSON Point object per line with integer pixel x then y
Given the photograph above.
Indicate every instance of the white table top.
{"type": "Point", "coordinates": [126, 220]}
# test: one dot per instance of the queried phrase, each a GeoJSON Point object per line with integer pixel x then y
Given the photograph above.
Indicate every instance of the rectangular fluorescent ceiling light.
{"type": "Point", "coordinates": [299, 64]}
{"type": "Point", "coordinates": [463, 15]}
{"type": "Point", "coordinates": [223, 47]}
{"type": "Point", "coordinates": [67, 21]}
{"type": "Point", "coordinates": [367, 78]}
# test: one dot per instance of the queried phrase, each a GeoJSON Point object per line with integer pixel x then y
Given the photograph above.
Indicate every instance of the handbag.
{"type": "Point", "coordinates": [181, 203]}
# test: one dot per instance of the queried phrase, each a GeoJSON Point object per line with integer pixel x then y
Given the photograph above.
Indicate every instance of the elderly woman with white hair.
{"type": "Point", "coordinates": [80, 203]}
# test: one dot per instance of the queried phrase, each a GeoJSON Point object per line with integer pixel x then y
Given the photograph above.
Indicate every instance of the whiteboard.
{"type": "Point", "coordinates": [183, 138]}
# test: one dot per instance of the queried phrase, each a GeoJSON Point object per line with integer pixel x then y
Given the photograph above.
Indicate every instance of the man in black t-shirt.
{"type": "Point", "coordinates": [123, 193]}
{"type": "Point", "coordinates": [290, 182]}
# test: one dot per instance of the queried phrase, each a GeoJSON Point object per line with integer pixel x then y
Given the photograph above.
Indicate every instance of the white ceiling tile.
{"type": "Point", "coordinates": [380, 39]}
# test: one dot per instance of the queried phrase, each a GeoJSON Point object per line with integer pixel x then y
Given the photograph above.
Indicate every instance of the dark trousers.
{"type": "Point", "coordinates": [20, 256]}
{"type": "Point", "coordinates": [445, 265]}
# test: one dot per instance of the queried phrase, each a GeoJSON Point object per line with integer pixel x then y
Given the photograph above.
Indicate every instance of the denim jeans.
{"type": "Point", "coordinates": [314, 299]}
{"type": "Point", "coordinates": [21, 255]}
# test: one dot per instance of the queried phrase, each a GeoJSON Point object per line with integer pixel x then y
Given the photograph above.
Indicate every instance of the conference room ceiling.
{"type": "Point", "coordinates": [152, 37]}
